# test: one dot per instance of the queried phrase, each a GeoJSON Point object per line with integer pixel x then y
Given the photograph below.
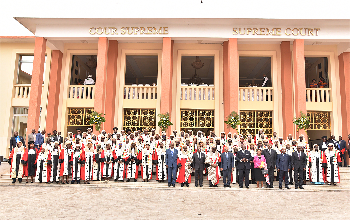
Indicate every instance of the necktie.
{"type": "Point", "coordinates": [172, 153]}
{"type": "Point", "coordinates": [299, 155]}
{"type": "Point", "coordinates": [199, 155]}
{"type": "Point", "coordinates": [226, 156]}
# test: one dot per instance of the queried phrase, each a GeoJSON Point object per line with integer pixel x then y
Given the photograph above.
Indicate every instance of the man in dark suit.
{"type": "Point", "coordinates": [198, 166]}
{"type": "Point", "coordinates": [324, 144]}
{"type": "Point", "coordinates": [15, 139]}
{"type": "Point", "coordinates": [270, 156]}
{"type": "Point", "coordinates": [283, 166]}
{"type": "Point", "coordinates": [298, 165]}
{"type": "Point", "coordinates": [227, 166]}
{"type": "Point", "coordinates": [243, 158]}
{"type": "Point", "coordinates": [171, 164]}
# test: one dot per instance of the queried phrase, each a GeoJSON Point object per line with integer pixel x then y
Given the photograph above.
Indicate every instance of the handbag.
{"type": "Point", "coordinates": [264, 172]}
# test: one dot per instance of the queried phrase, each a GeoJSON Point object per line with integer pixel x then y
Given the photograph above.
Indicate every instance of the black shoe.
{"type": "Point", "coordinates": [301, 187]}
{"type": "Point", "coordinates": [270, 186]}
{"type": "Point", "coordinates": [229, 186]}
{"type": "Point", "coordinates": [196, 185]}
{"type": "Point", "coordinates": [225, 186]}
{"type": "Point", "coordinates": [247, 187]}
{"type": "Point", "coordinates": [169, 184]}
{"type": "Point", "coordinates": [187, 185]}
{"type": "Point", "coordinates": [20, 180]}
{"type": "Point", "coordinates": [128, 180]}
{"type": "Point", "coordinates": [215, 186]}
{"type": "Point", "coordinates": [173, 185]}
{"type": "Point", "coordinates": [296, 187]}
{"type": "Point", "coordinates": [135, 180]}
{"type": "Point", "coordinates": [280, 187]}
{"type": "Point", "coordinates": [182, 185]}
{"type": "Point", "coordinates": [241, 187]}
{"type": "Point", "coordinates": [201, 185]}
{"type": "Point", "coordinates": [13, 180]}
{"type": "Point", "coordinates": [287, 187]}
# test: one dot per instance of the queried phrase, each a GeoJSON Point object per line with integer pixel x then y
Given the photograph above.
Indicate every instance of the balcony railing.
{"type": "Point", "coordinates": [86, 92]}
{"type": "Point", "coordinates": [140, 92]}
{"type": "Point", "coordinates": [197, 93]}
{"type": "Point", "coordinates": [318, 95]}
{"type": "Point", "coordinates": [22, 91]}
{"type": "Point", "coordinates": [252, 94]}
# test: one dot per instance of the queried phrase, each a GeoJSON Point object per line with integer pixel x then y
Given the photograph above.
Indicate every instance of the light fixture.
{"type": "Point", "coordinates": [197, 64]}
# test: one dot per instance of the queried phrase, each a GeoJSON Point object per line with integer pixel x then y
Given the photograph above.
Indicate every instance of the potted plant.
{"type": "Point", "coordinates": [232, 120]}
{"type": "Point", "coordinates": [302, 122]}
{"type": "Point", "coordinates": [164, 121]}
{"type": "Point", "coordinates": [97, 119]}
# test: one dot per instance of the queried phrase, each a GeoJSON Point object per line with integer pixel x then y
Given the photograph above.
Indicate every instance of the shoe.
{"type": "Point", "coordinates": [301, 187]}
{"type": "Point", "coordinates": [20, 180]}
{"type": "Point", "coordinates": [182, 185]}
{"type": "Point", "coordinates": [215, 186]}
{"type": "Point", "coordinates": [296, 187]}
{"type": "Point", "coordinates": [280, 187]}
{"type": "Point", "coordinates": [287, 187]}
{"type": "Point", "coordinates": [247, 187]}
{"type": "Point", "coordinates": [128, 180]}
{"type": "Point", "coordinates": [187, 185]}
{"type": "Point", "coordinates": [201, 185]}
{"type": "Point", "coordinates": [241, 187]}
{"type": "Point", "coordinates": [13, 180]}
{"type": "Point", "coordinates": [135, 180]}
{"type": "Point", "coordinates": [224, 186]}
{"type": "Point", "coordinates": [173, 185]}
{"type": "Point", "coordinates": [168, 184]}
{"type": "Point", "coordinates": [271, 186]}
{"type": "Point", "coordinates": [229, 186]}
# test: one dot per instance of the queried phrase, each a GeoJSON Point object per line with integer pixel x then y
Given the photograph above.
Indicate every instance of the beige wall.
{"type": "Point", "coordinates": [9, 54]}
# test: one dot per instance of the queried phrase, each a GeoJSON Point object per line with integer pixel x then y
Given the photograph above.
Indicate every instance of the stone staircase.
{"type": "Point", "coordinates": [343, 185]}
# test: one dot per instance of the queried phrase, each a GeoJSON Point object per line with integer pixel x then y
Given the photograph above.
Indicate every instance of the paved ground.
{"type": "Point", "coordinates": [86, 202]}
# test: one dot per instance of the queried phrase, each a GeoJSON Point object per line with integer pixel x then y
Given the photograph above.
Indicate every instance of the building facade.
{"type": "Point", "coordinates": [198, 70]}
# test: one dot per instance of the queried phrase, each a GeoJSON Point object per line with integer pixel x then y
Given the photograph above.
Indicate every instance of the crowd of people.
{"type": "Point", "coordinates": [126, 156]}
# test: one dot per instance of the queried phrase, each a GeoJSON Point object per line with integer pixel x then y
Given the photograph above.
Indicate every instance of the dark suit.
{"type": "Point", "coordinates": [243, 167]}
{"type": "Point", "coordinates": [13, 142]}
{"type": "Point", "coordinates": [171, 162]}
{"type": "Point", "coordinates": [227, 163]}
{"type": "Point", "coordinates": [299, 164]}
{"type": "Point", "coordinates": [283, 164]}
{"type": "Point", "coordinates": [271, 163]}
{"type": "Point", "coordinates": [320, 146]}
{"type": "Point", "coordinates": [198, 166]}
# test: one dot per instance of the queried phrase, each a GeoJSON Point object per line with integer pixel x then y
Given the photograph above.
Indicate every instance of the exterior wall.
{"type": "Point", "coordinates": [9, 56]}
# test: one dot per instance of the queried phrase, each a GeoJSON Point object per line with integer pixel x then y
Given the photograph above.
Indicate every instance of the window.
{"type": "Point", "coordinates": [25, 69]}
{"type": "Point", "coordinates": [83, 66]}
{"type": "Point", "coordinates": [254, 70]}
{"type": "Point", "coordinates": [316, 72]}
{"type": "Point", "coordinates": [141, 69]}
{"type": "Point", "coordinates": [135, 119]}
{"type": "Point", "coordinates": [252, 121]}
{"type": "Point", "coordinates": [197, 70]}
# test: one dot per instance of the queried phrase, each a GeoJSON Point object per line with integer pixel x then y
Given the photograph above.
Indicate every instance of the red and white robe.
{"type": "Point", "coordinates": [106, 167]}
{"type": "Point", "coordinates": [43, 168]}
{"type": "Point", "coordinates": [88, 169]}
{"type": "Point", "coordinates": [316, 159]}
{"type": "Point", "coordinates": [184, 173]}
{"type": "Point", "coordinates": [213, 172]}
{"type": "Point", "coordinates": [77, 159]}
{"type": "Point", "coordinates": [64, 159]}
{"type": "Point", "coordinates": [331, 161]}
{"type": "Point", "coordinates": [159, 158]}
{"type": "Point", "coordinates": [55, 166]}
{"type": "Point", "coordinates": [119, 161]}
{"type": "Point", "coordinates": [16, 158]}
{"type": "Point", "coordinates": [132, 166]}
{"type": "Point", "coordinates": [146, 161]}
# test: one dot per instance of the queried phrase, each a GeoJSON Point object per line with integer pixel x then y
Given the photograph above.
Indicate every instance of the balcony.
{"type": "Point", "coordinates": [21, 95]}
{"type": "Point", "coordinates": [81, 96]}
{"type": "Point", "coordinates": [140, 96]}
{"type": "Point", "coordinates": [197, 97]}
{"type": "Point", "coordinates": [257, 98]}
{"type": "Point", "coordinates": [318, 99]}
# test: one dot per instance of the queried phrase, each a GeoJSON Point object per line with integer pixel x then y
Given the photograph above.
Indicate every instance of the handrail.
{"type": "Point", "coordinates": [261, 94]}
{"type": "Point", "coordinates": [81, 92]}
{"type": "Point", "coordinates": [140, 92]}
{"type": "Point", "coordinates": [197, 93]}
{"type": "Point", "coordinates": [318, 95]}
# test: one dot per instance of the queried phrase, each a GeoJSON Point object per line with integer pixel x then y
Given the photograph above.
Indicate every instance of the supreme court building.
{"type": "Point", "coordinates": [198, 70]}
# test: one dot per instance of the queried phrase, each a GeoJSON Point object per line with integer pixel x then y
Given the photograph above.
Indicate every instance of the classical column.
{"type": "Point", "coordinates": [299, 81]}
{"type": "Point", "coordinates": [287, 89]}
{"type": "Point", "coordinates": [101, 77]}
{"type": "Point", "coordinates": [54, 90]}
{"type": "Point", "coordinates": [167, 75]}
{"type": "Point", "coordinates": [36, 84]}
{"type": "Point", "coordinates": [344, 77]}
{"type": "Point", "coordinates": [111, 85]}
{"type": "Point", "coordinates": [231, 79]}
